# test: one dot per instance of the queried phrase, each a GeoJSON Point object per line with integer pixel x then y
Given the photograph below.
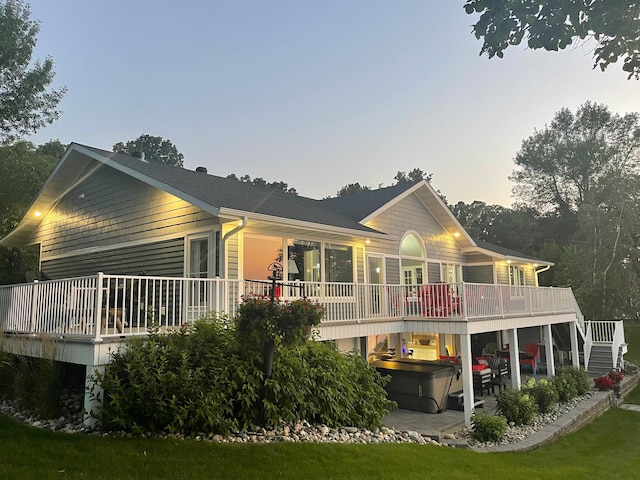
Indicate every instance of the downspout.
{"type": "Point", "coordinates": [543, 269]}
{"type": "Point", "coordinates": [226, 236]}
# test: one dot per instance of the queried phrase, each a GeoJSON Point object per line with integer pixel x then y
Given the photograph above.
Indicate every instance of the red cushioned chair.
{"type": "Point", "coordinates": [533, 358]}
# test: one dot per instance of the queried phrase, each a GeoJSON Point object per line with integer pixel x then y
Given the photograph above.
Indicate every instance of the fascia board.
{"type": "Point", "coordinates": [501, 256]}
{"type": "Point", "coordinates": [233, 213]}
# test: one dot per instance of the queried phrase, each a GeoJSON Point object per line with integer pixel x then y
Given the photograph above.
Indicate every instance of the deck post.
{"type": "Point", "coordinates": [93, 395]}
{"type": "Point", "coordinates": [514, 359]}
{"type": "Point", "coordinates": [467, 377]}
{"type": "Point", "coordinates": [548, 349]}
{"type": "Point", "coordinates": [575, 354]}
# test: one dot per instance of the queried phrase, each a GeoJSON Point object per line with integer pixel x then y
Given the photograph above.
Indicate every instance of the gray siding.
{"type": "Point", "coordinates": [502, 274]}
{"type": "Point", "coordinates": [433, 272]}
{"type": "Point", "coordinates": [160, 259]}
{"type": "Point", "coordinates": [359, 264]}
{"type": "Point", "coordinates": [530, 276]}
{"type": "Point", "coordinates": [232, 255]}
{"type": "Point", "coordinates": [478, 274]}
{"type": "Point", "coordinates": [411, 214]}
{"type": "Point", "coordinates": [111, 208]}
{"type": "Point", "coordinates": [392, 268]}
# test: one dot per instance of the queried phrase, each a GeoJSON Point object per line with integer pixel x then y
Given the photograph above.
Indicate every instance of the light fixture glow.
{"type": "Point", "coordinates": [367, 241]}
{"type": "Point", "coordinates": [456, 234]}
{"type": "Point", "coordinates": [37, 213]}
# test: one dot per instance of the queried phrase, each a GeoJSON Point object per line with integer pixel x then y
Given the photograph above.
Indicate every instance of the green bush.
{"type": "Point", "coordinates": [544, 394]}
{"type": "Point", "coordinates": [488, 428]}
{"type": "Point", "coordinates": [517, 406]}
{"type": "Point", "coordinates": [583, 384]}
{"type": "Point", "coordinates": [204, 379]}
{"type": "Point", "coordinates": [566, 385]}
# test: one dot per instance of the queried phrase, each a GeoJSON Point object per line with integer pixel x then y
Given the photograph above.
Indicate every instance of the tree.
{"type": "Point", "coordinates": [352, 188]}
{"type": "Point", "coordinates": [22, 172]}
{"type": "Point", "coordinates": [555, 25]}
{"type": "Point", "coordinates": [155, 149]}
{"type": "Point", "coordinates": [53, 149]}
{"type": "Point", "coordinates": [584, 170]}
{"type": "Point", "coordinates": [261, 182]}
{"type": "Point", "coordinates": [413, 176]}
{"type": "Point", "coordinates": [26, 103]}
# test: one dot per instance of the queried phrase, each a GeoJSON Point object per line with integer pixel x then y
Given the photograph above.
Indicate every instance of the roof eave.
{"type": "Point", "coordinates": [312, 226]}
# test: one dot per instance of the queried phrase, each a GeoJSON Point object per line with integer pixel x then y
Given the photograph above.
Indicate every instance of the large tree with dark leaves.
{"type": "Point", "coordinates": [23, 170]}
{"type": "Point", "coordinates": [26, 102]}
{"type": "Point", "coordinates": [584, 169]}
{"type": "Point", "coordinates": [155, 149]}
{"type": "Point", "coordinates": [557, 24]}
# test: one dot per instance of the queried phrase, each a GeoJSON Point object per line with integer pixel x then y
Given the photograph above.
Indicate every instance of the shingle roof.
{"type": "Point", "coordinates": [507, 252]}
{"type": "Point", "coordinates": [359, 205]}
{"type": "Point", "coordinates": [222, 192]}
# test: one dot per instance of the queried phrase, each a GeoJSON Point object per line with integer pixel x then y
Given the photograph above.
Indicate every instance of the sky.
{"type": "Point", "coordinates": [317, 94]}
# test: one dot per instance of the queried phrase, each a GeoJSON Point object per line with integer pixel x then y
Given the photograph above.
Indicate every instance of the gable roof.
{"type": "Point", "coordinates": [364, 206]}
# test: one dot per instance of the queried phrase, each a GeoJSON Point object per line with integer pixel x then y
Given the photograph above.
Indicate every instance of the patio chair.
{"type": "Point", "coordinates": [532, 358]}
{"type": "Point", "coordinates": [490, 349]}
{"type": "Point", "coordinates": [499, 372]}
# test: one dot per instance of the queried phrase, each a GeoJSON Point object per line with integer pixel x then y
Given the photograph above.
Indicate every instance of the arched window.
{"type": "Point", "coordinates": [412, 260]}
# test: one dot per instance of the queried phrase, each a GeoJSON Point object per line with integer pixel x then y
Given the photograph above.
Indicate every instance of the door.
{"type": "Point", "coordinates": [199, 292]}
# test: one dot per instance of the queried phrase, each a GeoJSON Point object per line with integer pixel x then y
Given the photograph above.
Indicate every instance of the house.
{"type": "Point", "coordinates": [129, 243]}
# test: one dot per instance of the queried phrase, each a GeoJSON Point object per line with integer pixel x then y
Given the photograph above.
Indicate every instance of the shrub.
{"type": "Point", "coordinates": [544, 394]}
{"type": "Point", "coordinates": [580, 378]}
{"type": "Point", "coordinates": [517, 406]}
{"type": "Point", "coordinates": [604, 383]}
{"type": "Point", "coordinates": [203, 378]}
{"type": "Point", "coordinates": [488, 428]}
{"type": "Point", "coordinates": [566, 385]}
{"type": "Point", "coordinates": [616, 375]}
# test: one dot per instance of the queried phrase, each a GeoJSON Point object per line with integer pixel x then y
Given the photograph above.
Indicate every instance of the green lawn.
{"type": "Point", "coordinates": [600, 450]}
{"type": "Point", "coordinates": [607, 448]}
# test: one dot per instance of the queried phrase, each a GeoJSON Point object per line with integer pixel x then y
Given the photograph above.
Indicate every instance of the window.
{"type": "Point", "coordinates": [412, 261]}
{"type": "Point", "coordinates": [303, 260]}
{"type": "Point", "coordinates": [451, 273]}
{"type": "Point", "coordinates": [313, 262]}
{"type": "Point", "coordinates": [338, 263]}
{"type": "Point", "coordinates": [258, 253]}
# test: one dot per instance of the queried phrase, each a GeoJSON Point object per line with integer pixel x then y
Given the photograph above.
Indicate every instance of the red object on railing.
{"type": "Point", "coordinates": [436, 300]}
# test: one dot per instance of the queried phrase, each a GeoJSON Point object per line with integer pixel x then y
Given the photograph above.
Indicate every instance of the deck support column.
{"type": "Point", "coordinates": [514, 359]}
{"type": "Point", "coordinates": [467, 377]}
{"type": "Point", "coordinates": [92, 401]}
{"type": "Point", "coordinates": [575, 353]}
{"type": "Point", "coordinates": [548, 349]}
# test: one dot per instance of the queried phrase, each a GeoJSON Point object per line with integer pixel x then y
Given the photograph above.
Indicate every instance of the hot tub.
{"type": "Point", "coordinates": [420, 385]}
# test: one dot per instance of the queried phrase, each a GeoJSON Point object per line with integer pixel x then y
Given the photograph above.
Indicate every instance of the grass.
{"type": "Point", "coordinates": [597, 451]}
{"type": "Point", "coordinates": [607, 448]}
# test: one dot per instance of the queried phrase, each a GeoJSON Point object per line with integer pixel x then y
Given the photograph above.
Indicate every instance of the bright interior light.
{"type": "Point", "coordinates": [37, 213]}
{"type": "Point", "coordinates": [456, 234]}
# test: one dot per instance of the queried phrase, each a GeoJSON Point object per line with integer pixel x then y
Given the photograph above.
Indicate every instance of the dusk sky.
{"type": "Point", "coordinates": [317, 94]}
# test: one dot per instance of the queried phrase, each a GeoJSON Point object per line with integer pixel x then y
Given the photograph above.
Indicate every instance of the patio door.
{"type": "Point", "coordinates": [199, 267]}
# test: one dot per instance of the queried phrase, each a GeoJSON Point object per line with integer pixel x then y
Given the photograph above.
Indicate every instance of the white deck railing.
{"type": "Point", "coordinates": [130, 305]}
